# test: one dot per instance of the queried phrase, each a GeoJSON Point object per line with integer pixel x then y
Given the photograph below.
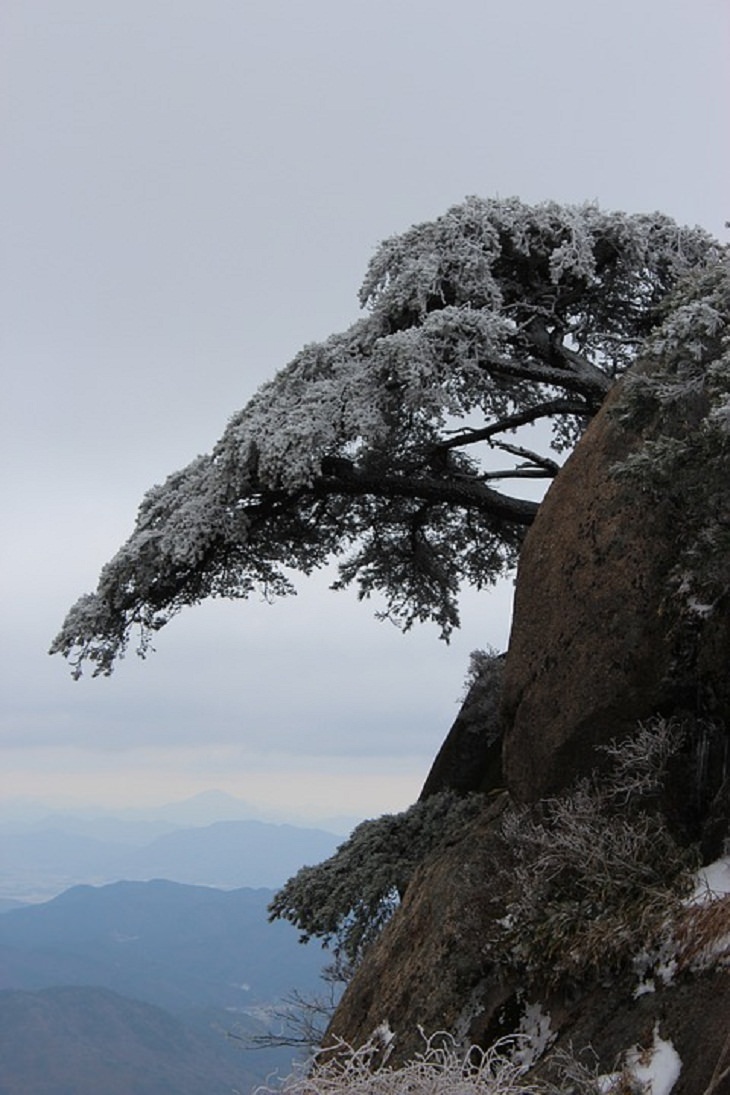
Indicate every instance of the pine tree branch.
{"type": "Point", "coordinates": [542, 465]}
{"type": "Point", "coordinates": [579, 376]}
{"type": "Point", "coordinates": [514, 421]}
{"type": "Point", "coordinates": [465, 491]}
{"type": "Point", "coordinates": [343, 478]}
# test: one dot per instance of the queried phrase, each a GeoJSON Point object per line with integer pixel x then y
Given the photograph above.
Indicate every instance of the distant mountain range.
{"type": "Point", "coordinates": [177, 946]}
{"type": "Point", "coordinates": [134, 986]}
{"type": "Point", "coordinates": [89, 1041]}
{"type": "Point", "coordinates": [201, 809]}
{"type": "Point", "coordinates": [38, 862]}
{"type": "Point", "coordinates": [148, 976]}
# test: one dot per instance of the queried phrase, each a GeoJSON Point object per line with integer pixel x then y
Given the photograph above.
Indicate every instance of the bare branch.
{"type": "Point", "coordinates": [514, 421]}
{"type": "Point", "coordinates": [546, 465]}
{"type": "Point", "coordinates": [521, 472]}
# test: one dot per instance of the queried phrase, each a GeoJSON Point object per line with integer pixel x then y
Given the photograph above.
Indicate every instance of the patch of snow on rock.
{"type": "Point", "coordinates": [713, 881]}
{"type": "Point", "coordinates": [383, 1033]}
{"type": "Point", "coordinates": [657, 1069]}
{"type": "Point", "coordinates": [535, 1033]}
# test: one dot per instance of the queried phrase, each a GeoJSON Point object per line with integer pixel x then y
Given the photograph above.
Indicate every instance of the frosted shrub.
{"type": "Point", "coordinates": [347, 900]}
{"type": "Point", "coordinates": [593, 874]}
{"type": "Point", "coordinates": [683, 389]}
{"type": "Point", "coordinates": [483, 685]}
{"type": "Point", "coordinates": [444, 1068]}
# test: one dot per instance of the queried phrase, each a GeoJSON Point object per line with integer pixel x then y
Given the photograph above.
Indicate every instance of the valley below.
{"type": "Point", "coordinates": [141, 958]}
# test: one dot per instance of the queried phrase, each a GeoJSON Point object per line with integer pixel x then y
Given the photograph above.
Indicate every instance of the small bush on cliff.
{"type": "Point", "coordinates": [592, 875]}
{"type": "Point", "coordinates": [347, 900]}
{"type": "Point", "coordinates": [685, 379]}
{"type": "Point", "coordinates": [445, 1068]}
{"type": "Point", "coordinates": [483, 691]}
{"type": "Point", "coordinates": [441, 1068]}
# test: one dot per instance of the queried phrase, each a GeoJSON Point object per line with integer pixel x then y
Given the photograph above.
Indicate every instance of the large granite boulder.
{"type": "Point", "coordinates": [600, 639]}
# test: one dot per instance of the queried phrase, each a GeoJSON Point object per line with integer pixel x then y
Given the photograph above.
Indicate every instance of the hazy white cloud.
{"type": "Point", "coordinates": [191, 192]}
{"type": "Point", "coordinates": [279, 786]}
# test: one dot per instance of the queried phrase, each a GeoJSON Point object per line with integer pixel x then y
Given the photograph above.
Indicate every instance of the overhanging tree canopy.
{"type": "Point", "coordinates": [370, 447]}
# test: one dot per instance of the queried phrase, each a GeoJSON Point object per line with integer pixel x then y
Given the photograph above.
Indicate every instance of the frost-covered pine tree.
{"type": "Point", "coordinates": [376, 448]}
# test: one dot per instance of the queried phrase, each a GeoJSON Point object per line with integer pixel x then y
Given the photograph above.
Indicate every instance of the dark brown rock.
{"type": "Point", "coordinates": [429, 963]}
{"type": "Point", "coordinates": [470, 758]}
{"type": "Point", "coordinates": [595, 643]}
{"type": "Point", "coordinates": [431, 971]}
{"type": "Point", "coordinates": [693, 1014]}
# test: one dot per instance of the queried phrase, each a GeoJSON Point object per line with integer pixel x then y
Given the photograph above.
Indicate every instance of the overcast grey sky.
{"type": "Point", "coordinates": [191, 190]}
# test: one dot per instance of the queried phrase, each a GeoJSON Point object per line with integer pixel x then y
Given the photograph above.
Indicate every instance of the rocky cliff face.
{"type": "Point", "coordinates": [598, 647]}
{"type": "Point", "coordinates": [598, 640]}
{"type": "Point", "coordinates": [588, 650]}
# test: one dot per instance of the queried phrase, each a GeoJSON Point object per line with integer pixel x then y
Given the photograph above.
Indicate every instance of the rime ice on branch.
{"type": "Point", "coordinates": [377, 447]}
